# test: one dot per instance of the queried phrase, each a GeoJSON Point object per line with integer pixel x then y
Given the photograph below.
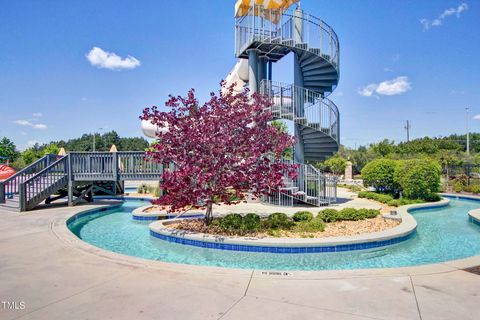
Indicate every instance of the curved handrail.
{"type": "Point", "coordinates": [270, 25]}
{"type": "Point", "coordinates": [313, 110]}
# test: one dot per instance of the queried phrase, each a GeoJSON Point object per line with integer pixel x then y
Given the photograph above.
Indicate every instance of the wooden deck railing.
{"type": "Point", "coordinates": [127, 165]}
{"type": "Point", "coordinates": [11, 186]}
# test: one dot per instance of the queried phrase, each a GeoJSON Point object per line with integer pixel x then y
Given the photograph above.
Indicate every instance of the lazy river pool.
{"type": "Point", "coordinates": [443, 233]}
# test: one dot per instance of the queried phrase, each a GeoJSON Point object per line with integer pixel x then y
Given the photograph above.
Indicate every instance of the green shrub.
{"type": "Point", "coordinates": [251, 222]}
{"type": "Point", "coordinates": [379, 174]}
{"type": "Point", "coordinates": [384, 198]}
{"type": "Point", "coordinates": [314, 225]}
{"type": "Point", "coordinates": [458, 187]}
{"type": "Point", "coordinates": [418, 178]}
{"type": "Point", "coordinates": [279, 220]}
{"type": "Point", "coordinates": [328, 215]}
{"type": "Point", "coordinates": [232, 221]}
{"type": "Point", "coordinates": [394, 203]}
{"type": "Point", "coordinates": [348, 214]}
{"type": "Point", "coordinates": [431, 198]}
{"type": "Point", "coordinates": [368, 213]}
{"type": "Point", "coordinates": [331, 215]}
{"type": "Point", "coordinates": [467, 188]}
{"type": "Point", "coordinates": [476, 188]}
{"type": "Point", "coordinates": [302, 216]}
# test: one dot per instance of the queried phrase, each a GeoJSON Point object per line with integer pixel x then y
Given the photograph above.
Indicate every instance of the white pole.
{"type": "Point", "coordinates": [468, 133]}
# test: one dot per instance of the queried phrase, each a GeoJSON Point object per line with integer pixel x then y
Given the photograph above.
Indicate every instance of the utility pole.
{"type": "Point", "coordinates": [94, 136]}
{"type": "Point", "coordinates": [407, 128]}
{"type": "Point", "coordinates": [468, 133]}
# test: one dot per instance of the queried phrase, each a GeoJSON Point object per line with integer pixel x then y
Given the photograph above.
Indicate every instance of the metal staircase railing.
{"type": "Point", "coordinates": [43, 184]}
{"type": "Point", "coordinates": [275, 26]}
{"type": "Point", "coordinates": [273, 34]}
{"type": "Point", "coordinates": [11, 186]}
{"type": "Point", "coordinates": [310, 186]}
{"type": "Point", "coordinates": [314, 111]}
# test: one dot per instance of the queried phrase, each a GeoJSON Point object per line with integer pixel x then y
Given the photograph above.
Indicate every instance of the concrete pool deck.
{"type": "Point", "coordinates": [58, 276]}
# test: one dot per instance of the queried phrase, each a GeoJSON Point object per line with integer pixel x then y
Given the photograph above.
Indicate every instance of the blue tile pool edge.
{"type": "Point", "coordinates": [155, 218]}
{"type": "Point", "coordinates": [284, 249]}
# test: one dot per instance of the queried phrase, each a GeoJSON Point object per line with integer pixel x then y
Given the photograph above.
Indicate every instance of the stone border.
{"type": "Point", "coordinates": [474, 216]}
{"type": "Point", "coordinates": [402, 232]}
{"type": "Point", "coordinates": [141, 215]}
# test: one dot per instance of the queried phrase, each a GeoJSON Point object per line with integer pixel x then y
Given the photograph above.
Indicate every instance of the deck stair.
{"type": "Point", "coordinates": [76, 176]}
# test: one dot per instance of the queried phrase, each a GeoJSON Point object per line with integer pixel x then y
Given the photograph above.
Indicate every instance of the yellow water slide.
{"type": "Point", "coordinates": [242, 7]}
{"type": "Point", "coordinates": [239, 73]}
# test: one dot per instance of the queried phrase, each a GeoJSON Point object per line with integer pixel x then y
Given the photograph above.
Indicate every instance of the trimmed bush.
{"type": "Point", "coordinates": [418, 178]}
{"type": "Point", "coordinates": [367, 213]}
{"type": "Point", "coordinates": [279, 220]}
{"type": "Point", "coordinates": [314, 225]}
{"type": "Point", "coordinates": [302, 216]}
{"type": "Point", "coordinates": [458, 187]}
{"type": "Point", "coordinates": [475, 188]}
{"type": "Point", "coordinates": [379, 174]}
{"type": "Point", "coordinates": [251, 222]}
{"type": "Point", "coordinates": [348, 214]}
{"type": "Point", "coordinates": [328, 215]}
{"type": "Point", "coordinates": [351, 214]}
{"type": "Point", "coordinates": [232, 221]}
{"type": "Point", "coordinates": [384, 198]}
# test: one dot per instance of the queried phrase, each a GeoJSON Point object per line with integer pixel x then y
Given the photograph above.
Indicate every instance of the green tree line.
{"type": "Point", "coordinates": [103, 142]}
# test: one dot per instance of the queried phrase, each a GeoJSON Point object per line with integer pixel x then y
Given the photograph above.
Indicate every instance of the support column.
{"type": "Point", "coordinates": [297, 90]}
{"type": "Point", "coordinates": [270, 70]}
{"type": "Point", "coordinates": [70, 180]}
{"type": "Point", "coordinates": [253, 79]}
{"type": "Point", "coordinates": [262, 69]}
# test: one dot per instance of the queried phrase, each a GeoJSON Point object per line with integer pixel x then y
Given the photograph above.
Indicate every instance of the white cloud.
{"type": "Point", "coordinates": [387, 69]}
{"type": "Point", "coordinates": [392, 87]}
{"type": "Point", "coordinates": [427, 24]}
{"type": "Point", "coordinates": [368, 91]}
{"type": "Point", "coordinates": [110, 60]}
{"type": "Point", "coordinates": [37, 115]}
{"type": "Point", "coordinates": [40, 126]}
{"type": "Point", "coordinates": [476, 117]}
{"type": "Point", "coordinates": [23, 122]}
{"type": "Point", "coordinates": [30, 124]}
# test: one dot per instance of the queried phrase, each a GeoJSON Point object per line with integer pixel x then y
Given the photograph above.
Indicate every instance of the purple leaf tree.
{"type": "Point", "coordinates": [221, 150]}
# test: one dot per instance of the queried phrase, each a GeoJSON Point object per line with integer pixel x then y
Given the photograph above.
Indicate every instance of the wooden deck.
{"type": "Point", "coordinates": [80, 173]}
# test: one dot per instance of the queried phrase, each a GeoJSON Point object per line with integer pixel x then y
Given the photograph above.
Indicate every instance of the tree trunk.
{"type": "Point", "coordinates": [209, 214]}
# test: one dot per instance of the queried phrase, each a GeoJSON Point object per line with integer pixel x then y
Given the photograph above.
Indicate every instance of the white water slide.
{"type": "Point", "coordinates": [238, 75]}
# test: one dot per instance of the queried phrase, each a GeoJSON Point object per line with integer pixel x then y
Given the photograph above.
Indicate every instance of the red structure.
{"type": "Point", "coordinates": [6, 172]}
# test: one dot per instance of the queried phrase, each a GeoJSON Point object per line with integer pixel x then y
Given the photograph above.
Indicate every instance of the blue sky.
{"type": "Point", "coordinates": [415, 60]}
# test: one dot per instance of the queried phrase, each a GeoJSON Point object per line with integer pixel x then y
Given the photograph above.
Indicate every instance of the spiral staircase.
{"type": "Point", "coordinates": [264, 36]}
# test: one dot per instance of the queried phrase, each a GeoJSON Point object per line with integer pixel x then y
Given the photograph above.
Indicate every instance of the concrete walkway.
{"type": "Point", "coordinates": [57, 276]}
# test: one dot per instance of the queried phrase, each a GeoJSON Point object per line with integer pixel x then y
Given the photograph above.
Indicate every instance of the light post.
{"type": "Point", "coordinates": [94, 135]}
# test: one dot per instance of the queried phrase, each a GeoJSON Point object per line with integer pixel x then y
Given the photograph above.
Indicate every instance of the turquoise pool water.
{"type": "Point", "coordinates": [442, 234]}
